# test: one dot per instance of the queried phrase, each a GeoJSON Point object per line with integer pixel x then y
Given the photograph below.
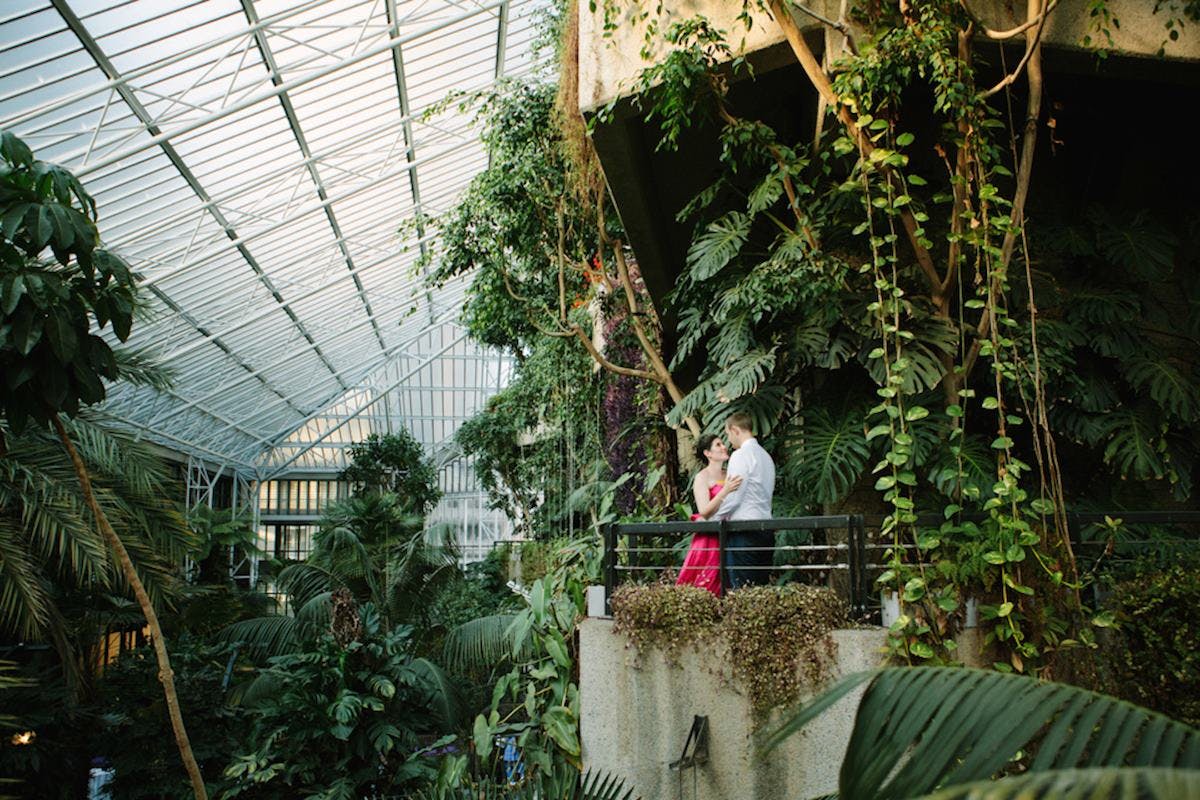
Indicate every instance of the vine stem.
{"type": "Point", "coordinates": [1033, 110]}
{"type": "Point", "coordinates": [820, 81]}
{"type": "Point", "coordinates": [165, 674]}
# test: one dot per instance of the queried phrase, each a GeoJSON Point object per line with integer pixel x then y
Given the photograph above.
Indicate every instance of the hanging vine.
{"type": "Point", "coordinates": [812, 258]}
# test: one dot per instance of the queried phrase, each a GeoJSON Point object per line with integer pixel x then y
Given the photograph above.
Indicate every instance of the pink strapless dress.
{"type": "Point", "coordinates": [702, 566]}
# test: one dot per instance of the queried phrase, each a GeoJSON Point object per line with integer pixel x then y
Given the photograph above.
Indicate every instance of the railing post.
{"type": "Point", "coordinates": [610, 565]}
{"type": "Point", "coordinates": [723, 570]}
{"type": "Point", "coordinates": [855, 536]}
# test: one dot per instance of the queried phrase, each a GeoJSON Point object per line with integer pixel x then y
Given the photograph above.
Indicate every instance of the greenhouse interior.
{"type": "Point", "coordinates": [542, 399]}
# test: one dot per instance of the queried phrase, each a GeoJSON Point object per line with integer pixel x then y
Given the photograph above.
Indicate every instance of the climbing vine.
{"type": "Point", "coordinates": [890, 249]}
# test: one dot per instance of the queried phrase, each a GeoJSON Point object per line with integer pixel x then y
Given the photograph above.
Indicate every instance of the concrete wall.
{"type": "Point", "coordinates": [635, 719]}
{"type": "Point", "coordinates": [609, 64]}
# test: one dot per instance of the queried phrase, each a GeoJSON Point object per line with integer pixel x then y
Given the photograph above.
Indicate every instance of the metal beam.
{"type": "Point", "coordinates": [268, 57]}
{"type": "Point", "coordinates": [286, 86]}
{"type": "Point", "coordinates": [98, 55]}
{"type": "Point", "coordinates": [378, 396]}
{"type": "Point", "coordinates": [410, 151]}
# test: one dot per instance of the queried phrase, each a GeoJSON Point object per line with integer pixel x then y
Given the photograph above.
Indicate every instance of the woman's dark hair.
{"type": "Point", "coordinates": [705, 443]}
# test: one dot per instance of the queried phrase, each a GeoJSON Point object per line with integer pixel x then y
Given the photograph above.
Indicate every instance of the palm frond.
{"type": "Point", "coordinates": [573, 786]}
{"type": "Point", "coordinates": [921, 728]}
{"type": "Point", "coordinates": [479, 643]}
{"type": "Point", "coordinates": [25, 602]}
{"type": "Point", "coordinates": [443, 694]}
{"type": "Point", "coordinates": [137, 366]}
{"type": "Point", "coordinates": [1097, 783]}
{"type": "Point", "coordinates": [265, 636]}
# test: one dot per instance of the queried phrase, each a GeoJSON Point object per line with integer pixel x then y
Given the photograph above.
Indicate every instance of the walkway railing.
{"type": "Point", "coordinates": [846, 551]}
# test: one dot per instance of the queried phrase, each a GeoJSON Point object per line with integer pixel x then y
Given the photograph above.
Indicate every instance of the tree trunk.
{"type": "Point", "coordinates": [165, 675]}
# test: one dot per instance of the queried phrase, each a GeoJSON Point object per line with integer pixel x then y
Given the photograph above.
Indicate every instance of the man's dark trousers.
{"type": "Point", "coordinates": [749, 567]}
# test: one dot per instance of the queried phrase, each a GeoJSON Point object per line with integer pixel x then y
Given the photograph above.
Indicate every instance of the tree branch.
{"type": "Point", "coordinates": [1033, 110]}
{"type": "Point", "coordinates": [1011, 32]}
{"type": "Point", "coordinates": [838, 25]}
{"type": "Point", "coordinates": [1032, 43]}
{"type": "Point", "coordinates": [820, 81]}
{"type": "Point", "coordinates": [604, 362]}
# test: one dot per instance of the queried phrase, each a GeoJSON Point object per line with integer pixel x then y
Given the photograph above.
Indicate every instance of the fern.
{"type": "Point", "coordinates": [721, 241]}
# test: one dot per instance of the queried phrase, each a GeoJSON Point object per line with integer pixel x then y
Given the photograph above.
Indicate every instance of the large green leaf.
{"type": "Point", "coordinates": [921, 728]}
{"type": "Point", "coordinates": [721, 241]}
{"type": "Point", "coordinates": [481, 642]}
{"type": "Point", "coordinates": [829, 454]}
{"type": "Point", "coordinates": [1100, 783]}
{"type": "Point", "coordinates": [1171, 387]}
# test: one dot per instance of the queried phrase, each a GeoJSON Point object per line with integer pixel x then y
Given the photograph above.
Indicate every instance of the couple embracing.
{"type": "Point", "coordinates": [741, 492]}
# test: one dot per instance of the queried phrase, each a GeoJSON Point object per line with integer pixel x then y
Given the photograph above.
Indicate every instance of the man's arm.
{"type": "Point", "coordinates": [737, 466]}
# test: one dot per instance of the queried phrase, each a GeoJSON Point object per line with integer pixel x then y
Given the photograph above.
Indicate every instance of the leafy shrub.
{"type": "Point", "coordinates": [341, 720]}
{"type": "Point", "coordinates": [665, 616]}
{"type": "Point", "coordinates": [777, 636]}
{"type": "Point", "coordinates": [394, 463]}
{"type": "Point", "coordinates": [1156, 663]}
{"type": "Point", "coordinates": [136, 736]}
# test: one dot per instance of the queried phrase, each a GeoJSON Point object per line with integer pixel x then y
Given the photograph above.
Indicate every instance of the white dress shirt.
{"type": "Point", "coordinates": [751, 500]}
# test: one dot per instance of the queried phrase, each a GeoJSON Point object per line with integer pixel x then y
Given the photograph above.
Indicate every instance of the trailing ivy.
{"type": "Point", "coordinates": [776, 639]}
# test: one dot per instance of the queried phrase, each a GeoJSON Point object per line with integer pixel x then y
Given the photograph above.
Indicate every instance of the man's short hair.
{"type": "Point", "coordinates": [740, 419]}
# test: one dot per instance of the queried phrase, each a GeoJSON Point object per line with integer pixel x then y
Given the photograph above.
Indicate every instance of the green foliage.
{"type": "Point", "coordinates": [370, 545]}
{"type": "Point", "coordinates": [1130, 783]}
{"type": "Point", "coordinates": [505, 230]}
{"type": "Point", "coordinates": [664, 616]}
{"type": "Point", "coordinates": [341, 721]}
{"type": "Point", "coordinates": [536, 698]}
{"type": "Point", "coordinates": [1155, 662]}
{"type": "Point", "coordinates": [537, 439]}
{"type": "Point", "coordinates": [924, 728]}
{"type": "Point", "coordinates": [49, 545]}
{"type": "Point", "coordinates": [134, 733]}
{"type": "Point", "coordinates": [874, 316]}
{"type": "Point", "coordinates": [396, 464]}
{"type": "Point", "coordinates": [51, 359]}
{"type": "Point", "coordinates": [827, 454]}
{"type": "Point", "coordinates": [778, 640]}
{"type": "Point", "coordinates": [218, 531]}
{"type": "Point", "coordinates": [37, 700]}
{"type": "Point", "coordinates": [776, 637]}
{"type": "Point", "coordinates": [589, 786]}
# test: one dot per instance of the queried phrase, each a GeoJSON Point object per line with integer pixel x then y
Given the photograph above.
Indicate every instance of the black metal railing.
{"type": "Point", "coordinates": [846, 551]}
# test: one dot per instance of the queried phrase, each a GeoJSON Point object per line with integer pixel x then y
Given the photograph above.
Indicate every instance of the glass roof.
{"type": "Point", "coordinates": [254, 161]}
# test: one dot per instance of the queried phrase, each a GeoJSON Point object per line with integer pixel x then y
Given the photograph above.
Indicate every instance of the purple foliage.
{"type": "Point", "coordinates": [624, 449]}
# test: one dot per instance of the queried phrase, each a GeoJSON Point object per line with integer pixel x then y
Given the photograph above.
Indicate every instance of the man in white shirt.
{"type": "Point", "coordinates": [750, 501]}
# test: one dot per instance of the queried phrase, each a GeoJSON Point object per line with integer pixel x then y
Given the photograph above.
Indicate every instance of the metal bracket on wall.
{"type": "Point", "coordinates": [695, 747]}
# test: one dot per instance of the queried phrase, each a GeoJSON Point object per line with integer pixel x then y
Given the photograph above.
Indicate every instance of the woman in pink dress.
{"type": "Point", "coordinates": [702, 566]}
